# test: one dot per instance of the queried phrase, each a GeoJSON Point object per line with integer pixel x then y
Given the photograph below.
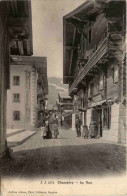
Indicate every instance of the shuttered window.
{"type": "Point", "coordinates": [16, 115]}
{"type": "Point", "coordinates": [16, 97]}
{"type": "Point", "coordinates": [115, 74]}
{"type": "Point", "coordinates": [101, 82]}
{"type": "Point", "coordinates": [16, 80]}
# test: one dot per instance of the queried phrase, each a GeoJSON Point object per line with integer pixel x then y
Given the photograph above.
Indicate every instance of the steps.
{"type": "Point", "coordinates": [17, 137]}
{"type": "Point", "coordinates": [11, 132]}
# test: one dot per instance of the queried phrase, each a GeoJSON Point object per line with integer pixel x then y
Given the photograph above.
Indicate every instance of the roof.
{"type": "Point", "coordinates": [38, 62]}
{"type": "Point", "coordinates": [71, 36]}
{"type": "Point", "coordinates": [83, 7]}
{"type": "Point", "coordinates": [64, 95]}
{"type": "Point", "coordinates": [20, 23]}
{"type": "Point", "coordinates": [34, 60]}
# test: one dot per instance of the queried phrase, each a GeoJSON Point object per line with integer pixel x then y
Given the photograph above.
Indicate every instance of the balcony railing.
{"type": "Point", "coordinates": [95, 57]}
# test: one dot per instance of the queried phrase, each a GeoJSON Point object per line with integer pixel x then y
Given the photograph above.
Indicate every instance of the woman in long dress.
{"type": "Point", "coordinates": [44, 130]}
{"type": "Point", "coordinates": [56, 131]}
{"type": "Point", "coordinates": [51, 124]}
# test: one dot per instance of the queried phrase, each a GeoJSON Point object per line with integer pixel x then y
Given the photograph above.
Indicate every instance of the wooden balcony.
{"type": "Point", "coordinates": [95, 57]}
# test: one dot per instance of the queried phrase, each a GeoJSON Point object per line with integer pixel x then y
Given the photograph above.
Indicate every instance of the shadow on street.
{"type": "Point", "coordinates": [98, 159]}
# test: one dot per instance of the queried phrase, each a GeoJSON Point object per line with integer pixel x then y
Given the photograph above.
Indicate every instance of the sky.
{"type": "Point", "coordinates": [47, 24]}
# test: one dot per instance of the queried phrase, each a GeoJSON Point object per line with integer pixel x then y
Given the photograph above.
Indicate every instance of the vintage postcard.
{"type": "Point", "coordinates": [63, 98]}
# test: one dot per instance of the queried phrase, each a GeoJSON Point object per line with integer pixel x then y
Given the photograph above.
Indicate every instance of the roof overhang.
{"type": "Point", "coordinates": [72, 28]}
{"type": "Point", "coordinates": [20, 22]}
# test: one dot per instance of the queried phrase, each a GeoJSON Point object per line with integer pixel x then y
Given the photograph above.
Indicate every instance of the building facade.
{"type": "Point", "coordinates": [94, 65]}
{"type": "Point", "coordinates": [23, 97]}
{"type": "Point", "coordinates": [64, 102]}
{"type": "Point", "coordinates": [15, 24]}
{"type": "Point", "coordinates": [42, 92]}
{"type": "Point", "coordinates": [65, 108]}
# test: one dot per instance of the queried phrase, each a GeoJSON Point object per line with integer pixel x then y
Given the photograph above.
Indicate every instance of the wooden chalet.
{"type": "Point", "coordinates": [94, 65]}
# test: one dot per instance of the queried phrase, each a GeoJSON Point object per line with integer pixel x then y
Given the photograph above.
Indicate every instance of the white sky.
{"type": "Point", "coordinates": [47, 24]}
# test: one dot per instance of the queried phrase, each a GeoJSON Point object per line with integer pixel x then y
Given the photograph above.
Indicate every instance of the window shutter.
{"type": "Point", "coordinates": [101, 82]}
{"type": "Point", "coordinates": [116, 73]}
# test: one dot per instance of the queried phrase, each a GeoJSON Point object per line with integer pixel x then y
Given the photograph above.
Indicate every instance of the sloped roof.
{"type": "Point", "coordinates": [64, 95]}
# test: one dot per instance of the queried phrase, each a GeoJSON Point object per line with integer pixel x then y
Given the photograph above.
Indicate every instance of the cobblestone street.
{"type": "Point", "coordinates": [68, 156]}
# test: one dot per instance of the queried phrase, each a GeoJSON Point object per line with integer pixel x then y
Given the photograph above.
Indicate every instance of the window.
{"type": "Point", "coordinates": [16, 115]}
{"type": "Point", "coordinates": [116, 74]}
{"type": "Point", "coordinates": [16, 97]}
{"type": "Point", "coordinates": [14, 50]}
{"type": "Point", "coordinates": [16, 80]}
{"type": "Point", "coordinates": [96, 87]}
{"type": "Point", "coordinates": [89, 93]}
{"type": "Point", "coordinates": [101, 82]}
{"type": "Point", "coordinates": [107, 117]}
{"type": "Point", "coordinates": [113, 74]}
{"type": "Point", "coordinates": [90, 90]}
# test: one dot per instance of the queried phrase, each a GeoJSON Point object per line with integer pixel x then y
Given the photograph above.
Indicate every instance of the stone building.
{"type": "Point", "coordinates": [94, 65]}
{"type": "Point", "coordinates": [26, 96]}
{"type": "Point", "coordinates": [15, 38]}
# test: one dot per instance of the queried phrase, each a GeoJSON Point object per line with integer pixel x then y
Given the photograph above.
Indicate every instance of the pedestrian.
{"type": "Point", "coordinates": [59, 120]}
{"type": "Point", "coordinates": [78, 126]}
{"type": "Point", "coordinates": [85, 131]}
{"type": "Point", "coordinates": [93, 129]}
{"type": "Point", "coordinates": [44, 130]}
{"type": "Point", "coordinates": [51, 124]}
{"type": "Point", "coordinates": [55, 127]}
{"type": "Point", "coordinates": [49, 134]}
{"type": "Point", "coordinates": [82, 131]}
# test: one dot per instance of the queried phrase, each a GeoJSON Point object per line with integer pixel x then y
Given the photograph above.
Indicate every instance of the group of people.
{"type": "Point", "coordinates": [50, 127]}
{"type": "Point", "coordinates": [84, 131]}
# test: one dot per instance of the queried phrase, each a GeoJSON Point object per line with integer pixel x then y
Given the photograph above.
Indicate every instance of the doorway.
{"type": "Point", "coordinates": [97, 116]}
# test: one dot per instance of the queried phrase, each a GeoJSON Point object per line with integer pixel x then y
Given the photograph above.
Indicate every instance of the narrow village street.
{"type": "Point", "coordinates": [63, 98]}
{"type": "Point", "coordinates": [68, 156]}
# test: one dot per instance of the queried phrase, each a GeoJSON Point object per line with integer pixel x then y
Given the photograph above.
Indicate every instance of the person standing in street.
{"type": "Point", "coordinates": [51, 124]}
{"type": "Point", "coordinates": [78, 126]}
{"type": "Point", "coordinates": [56, 131]}
{"type": "Point", "coordinates": [44, 131]}
{"type": "Point", "coordinates": [49, 134]}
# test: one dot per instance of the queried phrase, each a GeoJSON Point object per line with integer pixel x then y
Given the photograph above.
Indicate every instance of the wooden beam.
{"type": "Point", "coordinates": [68, 76]}
{"type": "Point", "coordinates": [71, 47]}
{"type": "Point", "coordinates": [84, 83]}
{"type": "Point", "coordinates": [78, 24]}
{"type": "Point", "coordinates": [74, 33]}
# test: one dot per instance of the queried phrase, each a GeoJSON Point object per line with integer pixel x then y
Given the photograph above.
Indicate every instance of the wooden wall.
{"type": "Point", "coordinates": [4, 73]}
{"type": "Point", "coordinates": [112, 87]}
